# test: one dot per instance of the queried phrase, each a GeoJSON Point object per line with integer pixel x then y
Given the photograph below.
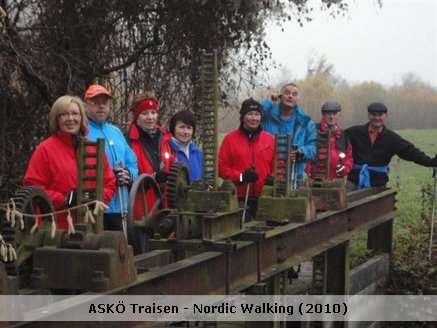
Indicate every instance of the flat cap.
{"type": "Point", "coordinates": [331, 106]}
{"type": "Point", "coordinates": [377, 107]}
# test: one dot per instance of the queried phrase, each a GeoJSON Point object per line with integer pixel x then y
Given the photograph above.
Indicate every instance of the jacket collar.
{"type": "Point", "coordinates": [384, 128]}
{"type": "Point", "coordinates": [178, 144]}
{"type": "Point", "coordinates": [95, 124]}
{"type": "Point", "coordinates": [134, 132]}
{"type": "Point", "coordinates": [67, 138]}
{"type": "Point", "coordinates": [300, 115]}
{"type": "Point", "coordinates": [324, 128]}
{"type": "Point", "coordinates": [249, 133]}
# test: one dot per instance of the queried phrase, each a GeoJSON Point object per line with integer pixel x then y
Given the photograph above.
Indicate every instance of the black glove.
{"type": "Point", "coordinates": [161, 176]}
{"type": "Point", "coordinates": [296, 154]}
{"type": "Point", "coordinates": [339, 169]}
{"type": "Point", "coordinates": [269, 180]}
{"type": "Point", "coordinates": [119, 178]}
{"type": "Point", "coordinates": [89, 196]}
{"type": "Point", "coordinates": [249, 176]}
{"type": "Point", "coordinates": [117, 173]}
{"type": "Point", "coordinates": [71, 198]}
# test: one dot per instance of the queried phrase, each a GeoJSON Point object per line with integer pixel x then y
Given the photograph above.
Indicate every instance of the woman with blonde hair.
{"type": "Point", "coordinates": [53, 166]}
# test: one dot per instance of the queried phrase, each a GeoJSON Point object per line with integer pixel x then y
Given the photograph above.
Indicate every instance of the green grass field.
{"type": "Point", "coordinates": [412, 177]}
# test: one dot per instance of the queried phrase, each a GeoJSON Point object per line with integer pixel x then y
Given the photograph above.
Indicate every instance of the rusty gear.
{"type": "Point", "coordinates": [177, 185]}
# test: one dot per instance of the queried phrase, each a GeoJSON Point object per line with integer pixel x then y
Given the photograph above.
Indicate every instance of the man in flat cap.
{"type": "Point", "coordinates": [373, 146]}
{"type": "Point", "coordinates": [340, 150]}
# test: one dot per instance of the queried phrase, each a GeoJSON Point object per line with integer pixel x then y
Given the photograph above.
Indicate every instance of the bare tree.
{"type": "Point", "coordinates": [53, 47]}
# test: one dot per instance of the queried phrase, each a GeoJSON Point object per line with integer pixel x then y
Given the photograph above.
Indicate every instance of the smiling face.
{"type": "Point", "coordinates": [98, 107]}
{"type": "Point", "coordinates": [377, 119]}
{"type": "Point", "coordinates": [147, 119]}
{"type": "Point", "coordinates": [183, 132]}
{"type": "Point", "coordinates": [252, 120]}
{"type": "Point", "coordinates": [69, 119]}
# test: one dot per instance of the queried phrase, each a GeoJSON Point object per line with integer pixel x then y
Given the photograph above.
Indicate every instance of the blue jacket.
{"type": "Point", "coordinates": [194, 163]}
{"type": "Point", "coordinates": [119, 152]}
{"type": "Point", "coordinates": [302, 129]}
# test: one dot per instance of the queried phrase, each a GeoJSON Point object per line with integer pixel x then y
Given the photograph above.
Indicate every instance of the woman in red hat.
{"type": "Point", "coordinates": [150, 143]}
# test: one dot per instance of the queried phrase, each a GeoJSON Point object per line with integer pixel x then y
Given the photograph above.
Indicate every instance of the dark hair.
{"type": "Point", "coordinates": [186, 117]}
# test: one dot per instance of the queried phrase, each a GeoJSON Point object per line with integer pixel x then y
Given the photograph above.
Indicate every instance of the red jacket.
{"type": "Point", "coordinates": [53, 167]}
{"type": "Point", "coordinates": [237, 154]}
{"type": "Point", "coordinates": [334, 156]}
{"type": "Point", "coordinates": [144, 164]}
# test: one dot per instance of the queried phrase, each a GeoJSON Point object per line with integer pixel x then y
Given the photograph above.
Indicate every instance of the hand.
{"type": "Point", "coordinates": [296, 154]}
{"type": "Point", "coordinates": [89, 196]}
{"type": "Point", "coordinates": [269, 181]}
{"type": "Point", "coordinates": [274, 96]}
{"type": "Point", "coordinates": [434, 161]}
{"type": "Point", "coordinates": [122, 176]}
{"type": "Point", "coordinates": [249, 176]}
{"type": "Point", "coordinates": [161, 176]}
{"type": "Point", "coordinates": [339, 170]}
{"type": "Point", "coordinates": [71, 198]}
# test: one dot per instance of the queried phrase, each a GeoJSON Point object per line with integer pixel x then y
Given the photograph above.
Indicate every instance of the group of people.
{"type": "Point", "coordinates": [246, 156]}
{"type": "Point", "coordinates": [145, 148]}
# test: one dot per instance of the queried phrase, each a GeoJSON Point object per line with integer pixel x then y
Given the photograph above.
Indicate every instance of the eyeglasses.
{"type": "Point", "coordinates": [103, 101]}
{"type": "Point", "coordinates": [65, 115]}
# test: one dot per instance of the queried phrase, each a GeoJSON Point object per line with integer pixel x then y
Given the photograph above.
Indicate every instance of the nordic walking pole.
{"type": "Point", "coordinates": [123, 211]}
{"type": "Point", "coordinates": [120, 191]}
{"type": "Point", "coordinates": [293, 176]}
{"type": "Point", "coordinates": [245, 204]}
{"type": "Point", "coordinates": [434, 175]}
{"type": "Point", "coordinates": [121, 194]}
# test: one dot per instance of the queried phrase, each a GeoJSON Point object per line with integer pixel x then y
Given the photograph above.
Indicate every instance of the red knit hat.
{"type": "Point", "coordinates": [146, 104]}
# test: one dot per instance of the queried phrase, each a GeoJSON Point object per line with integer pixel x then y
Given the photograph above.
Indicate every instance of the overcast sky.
{"type": "Point", "coordinates": [368, 44]}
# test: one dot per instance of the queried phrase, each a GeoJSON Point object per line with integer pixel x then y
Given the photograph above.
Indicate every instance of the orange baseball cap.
{"type": "Point", "coordinates": [95, 90]}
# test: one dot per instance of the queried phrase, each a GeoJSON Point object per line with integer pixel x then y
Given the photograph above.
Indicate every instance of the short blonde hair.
{"type": "Point", "coordinates": [61, 104]}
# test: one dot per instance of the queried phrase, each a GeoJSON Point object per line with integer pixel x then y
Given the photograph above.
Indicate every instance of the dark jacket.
{"type": "Point", "coordinates": [387, 144]}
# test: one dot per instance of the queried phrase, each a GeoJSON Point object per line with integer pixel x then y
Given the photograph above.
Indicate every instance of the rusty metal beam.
{"type": "Point", "coordinates": [265, 254]}
{"type": "Point", "coordinates": [278, 248]}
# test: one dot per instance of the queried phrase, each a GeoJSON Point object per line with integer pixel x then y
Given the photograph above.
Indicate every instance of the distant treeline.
{"type": "Point", "coordinates": [411, 105]}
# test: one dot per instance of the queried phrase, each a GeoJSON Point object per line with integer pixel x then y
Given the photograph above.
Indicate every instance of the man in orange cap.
{"type": "Point", "coordinates": [121, 157]}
